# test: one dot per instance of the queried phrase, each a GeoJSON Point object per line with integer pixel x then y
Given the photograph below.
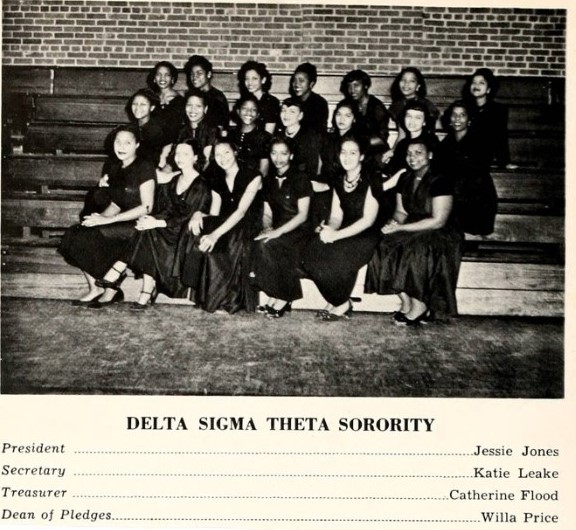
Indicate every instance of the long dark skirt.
{"type": "Point", "coordinates": [219, 279]}
{"type": "Point", "coordinates": [334, 266]}
{"type": "Point", "coordinates": [276, 265]}
{"type": "Point", "coordinates": [424, 265]}
{"type": "Point", "coordinates": [95, 249]}
{"type": "Point", "coordinates": [152, 252]}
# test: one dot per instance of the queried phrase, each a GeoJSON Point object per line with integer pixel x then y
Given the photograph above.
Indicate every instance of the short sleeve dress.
{"type": "Point", "coordinates": [170, 117]}
{"type": "Point", "coordinates": [334, 266]}
{"type": "Point", "coordinates": [276, 263]}
{"type": "Point", "coordinates": [152, 252]}
{"type": "Point", "coordinates": [220, 279]}
{"type": "Point", "coordinates": [423, 264]}
{"type": "Point", "coordinates": [251, 147]}
{"type": "Point", "coordinates": [95, 249]}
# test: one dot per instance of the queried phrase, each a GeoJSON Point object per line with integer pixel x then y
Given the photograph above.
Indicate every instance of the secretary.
{"type": "Point", "coordinates": [40, 470]}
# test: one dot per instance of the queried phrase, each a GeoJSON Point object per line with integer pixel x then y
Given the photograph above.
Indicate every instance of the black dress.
{"type": "Point", "coordinates": [152, 139]}
{"type": "Point", "coordinates": [489, 127]}
{"type": "Point", "coordinates": [170, 117]}
{"type": "Point", "coordinates": [276, 263]}
{"type": "Point", "coordinates": [205, 134]}
{"type": "Point", "coordinates": [95, 249]}
{"type": "Point", "coordinates": [334, 266]}
{"type": "Point", "coordinates": [315, 110]}
{"type": "Point", "coordinates": [218, 114]}
{"type": "Point", "coordinates": [220, 279]}
{"type": "Point", "coordinates": [423, 264]}
{"type": "Point", "coordinates": [251, 147]}
{"type": "Point", "coordinates": [152, 252]}
{"type": "Point", "coordinates": [269, 109]}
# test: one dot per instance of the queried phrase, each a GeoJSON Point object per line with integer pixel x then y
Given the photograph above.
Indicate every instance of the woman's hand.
{"type": "Point", "coordinates": [96, 219]}
{"type": "Point", "coordinates": [267, 235]}
{"type": "Point", "coordinates": [327, 233]}
{"type": "Point", "coordinates": [207, 243]}
{"type": "Point", "coordinates": [387, 156]}
{"type": "Point", "coordinates": [393, 180]}
{"type": "Point", "coordinates": [390, 227]}
{"type": "Point", "coordinates": [103, 182]}
{"type": "Point", "coordinates": [147, 222]}
{"type": "Point", "coordinates": [196, 223]}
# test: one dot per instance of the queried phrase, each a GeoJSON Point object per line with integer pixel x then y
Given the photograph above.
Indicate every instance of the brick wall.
{"type": "Point", "coordinates": [379, 39]}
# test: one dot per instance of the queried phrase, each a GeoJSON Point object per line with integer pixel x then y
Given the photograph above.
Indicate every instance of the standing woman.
{"type": "Point", "coordinates": [216, 263]}
{"type": "Point", "coordinates": [419, 254]}
{"type": "Point", "coordinates": [140, 108]}
{"type": "Point", "coordinates": [170, 112]}
{"type": "Point", "coordinates": [254, 78]}
{"type": "Point", "coordinates": [151, 251]}
{"type": "Point", "coordinates": [333, 258]}
{"type": "Point", "coordinates": [489, 119]}
{"type": "Point", "coordinates": [100, 239]}
{"type": "Point", "coordinates": [285, 231]}
{"type": "Point", "coordinates": [250, 142]}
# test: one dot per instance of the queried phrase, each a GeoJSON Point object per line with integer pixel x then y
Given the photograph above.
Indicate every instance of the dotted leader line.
{"type": "Point", "coordinates": [279, 519]}
{"type": "Point", "coordinates": [263, 475]}
{"type": "Point", "coordinates": [263, 453]}
{"type": "Point", "coordinates": [285, 497]}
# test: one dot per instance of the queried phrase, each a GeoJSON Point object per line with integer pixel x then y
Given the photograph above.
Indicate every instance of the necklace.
{"type": "Point", "coordinates": [351, 184]}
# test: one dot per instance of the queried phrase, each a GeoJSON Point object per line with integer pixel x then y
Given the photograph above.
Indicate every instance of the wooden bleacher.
{"type": "Point", "coordinates": [61, 116]}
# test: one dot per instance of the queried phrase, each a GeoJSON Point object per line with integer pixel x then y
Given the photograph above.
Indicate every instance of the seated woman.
{"type": "Point", "coordinates": [373, 117]}
{"type": "Point", "coordinates": [461, 159]}
{"type": "Point", "coordinates": [488, 119]}
{"type": "Point", "coordinates": [250, 142]}
{"type": "Point", "coordinates": [276, 258]}
{"type": "Point", "coordinates": [419, 254]}
{"type": "Point", "coordinates": [169, 114]}
{"type": "Point", "coordinates": [196, 128]}
{"type": "Point", "coordinates": [346, 243]}
{"type": "Point", "coordinates": [409, 85]}
{"type": "Point", "coordinates": [314, 106]}
{"type": "Point", "coordinates": [100, 240]}
{"type": "Point", "coordinates": [140, 108]}
{"type": "Point", "coordinates": [151, 251]}
{"type": "Point", "coordinates": [254, 78]}
{"type": "Point", "coordinates": [216, 263]}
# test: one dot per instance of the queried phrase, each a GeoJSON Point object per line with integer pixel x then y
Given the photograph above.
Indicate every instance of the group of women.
{"type": "Point", "coordinates": [217, 213]}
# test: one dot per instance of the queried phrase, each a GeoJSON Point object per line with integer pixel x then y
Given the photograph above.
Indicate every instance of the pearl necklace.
{"type": "Point", "coordinates": [351, 184]}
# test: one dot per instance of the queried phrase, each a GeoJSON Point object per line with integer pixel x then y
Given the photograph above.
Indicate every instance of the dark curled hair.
{"type": "Point", "coordinates": [309, 69]}
{"type": "Point", "coordinates": [196, 60]}
{"type": "Point", "coordinates": [111, 136]}
{"type": "Point", "coordinates": [417, 105]}
{"type": "Point", "coordinates": [395, 91]}
{"type": "Point", "coordinates": [260, 69]}
{"type": "Point", "coordinates": [282, 140]}
{"type": "Point", "coordinates": [491, 80]}
{"type": "Point", "coordinates": [355, 75]}
{"type": "Point", "coordinates": [147, 93]}
{"type": "Point", "coordinates": [151, 78]}
{"type": "Point", "coordinates": [197, 93]}
{"type": "Point", "coordinates": [348, 104]}
{"type": "Point", "coordinates": [445, 119]}
{"type": "Point", "coordinates": [362, 142]}
{"type": "Point", "coordinates": [238, 105]}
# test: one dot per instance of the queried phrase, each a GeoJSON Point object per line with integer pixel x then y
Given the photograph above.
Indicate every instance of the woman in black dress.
{"type": "Point", "coordinates": [254, 78]}
{"type": "Point", "coordinates": [488, 119]}
{"type": "Point", "coordinates": [279, 246]}
{"type": "Point", "coordinates": [346, 243]}
{"type": "Point", "coordinates": [216, 263]}
{"type": "Point", "coordinates": [169, 114]}
{"type": "Point", "coordinates": [100, 239]}
{"type": "Point", "coordinates": [250, 142]}
{"type": "Point", "coordinates": [419, 254]}
{"type": "Point", "coordinates": [151, 251]}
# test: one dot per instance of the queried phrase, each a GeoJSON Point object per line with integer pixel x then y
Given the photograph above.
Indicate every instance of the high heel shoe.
{"type": "Point", "coordinates": [333, 317]}
{"type": "Point", "coordinates": [137, 306]}
{"type": "Point", "coordinates": [420, 319]}
{"type": "Point", "coordinates": [264, 309]}
{"type": "Point", "coordinates": [118, 297]}
{"type": "Point", "coordinates": [279, 313]}
{"type": "Point", "coordinates": [107, 284]}
{"type": "Point", "coordinates": [85, 303]}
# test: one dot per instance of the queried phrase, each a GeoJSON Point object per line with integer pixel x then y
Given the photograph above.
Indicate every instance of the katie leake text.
{"type": "Point", "coordinates": [280, 423]}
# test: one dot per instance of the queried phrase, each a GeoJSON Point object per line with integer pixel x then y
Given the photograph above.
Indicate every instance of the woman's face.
{"type": "Point", "coordinates": [253, 81]}
{"type": "Point", "coordinates": [418, 156]}
{"type": "Point", "coordinates": [125, 145]}
{"type": "Point", "coordinates": [184, 156]}
{"type": "Point", "coordinates": [280, 155]}
{"type": "Point", "coordinates": [225, 156]}
{"type": "Point", "coordinates": [301, 84]}
{"type": "Point", "coordinates": [290, 115]}
{"type": "Point", "coordinates": [479, 87]}
{"type": "Point", "coordinates": [163, 77]}
{"type": "Point", "coordinates": [141, 107]}
{"type": "Point", "coordinates": [414, 121]}
{"type": "Point", "coordinates": [356, 90]}
{"type": "Point", "coordinates": [344, 119]}
{"type": "Point", "coordinates": [459, 120]}
{"type": "Point", "coordinates": [199, 77]}
{"type": "Point", "coordinates": [409, 84]}
{"type": "Point", "coordinates": [350, 155]}
{"type": "Point", "coordinates": [248, 112]}
{"type": "Point", "coordinates": [195, 109]}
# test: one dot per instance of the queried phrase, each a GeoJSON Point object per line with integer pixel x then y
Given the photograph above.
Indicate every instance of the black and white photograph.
{"type": "Point", "coordinates": [283, 199]}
